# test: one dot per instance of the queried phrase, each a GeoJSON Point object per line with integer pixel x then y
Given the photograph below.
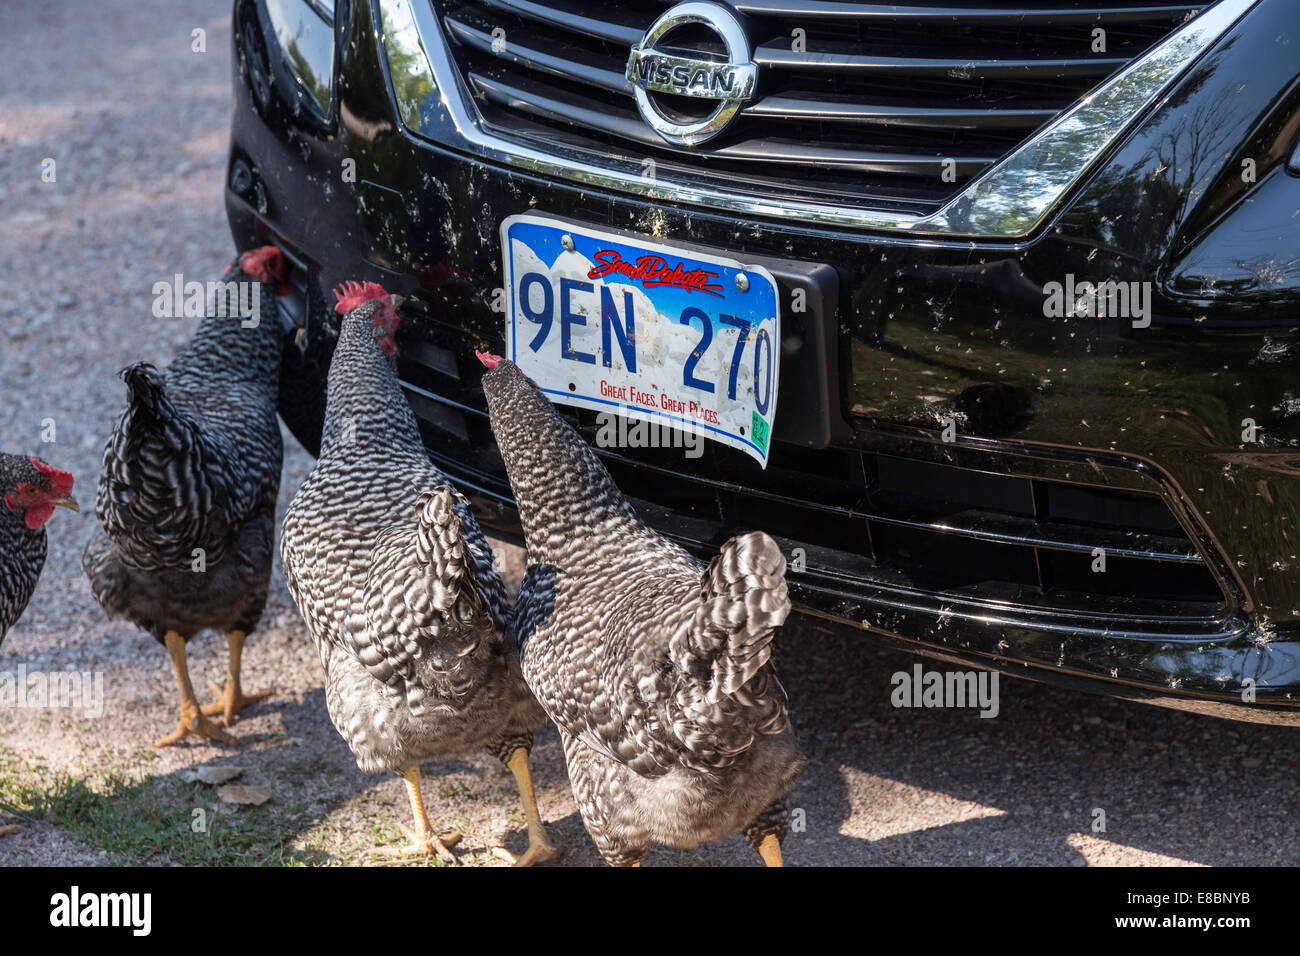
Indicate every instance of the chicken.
{"type": "Point", "coordinates": [187, 496]}
{"type": "Point", "coordinates": [399, 590]}
{"type": "Point", "coordinates": [30, 490]}
{"type": "Point", "coordinates": [655, 668]}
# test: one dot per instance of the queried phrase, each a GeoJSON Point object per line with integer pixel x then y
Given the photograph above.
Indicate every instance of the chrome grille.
{"type": "Point", "coordinates": [871, 107]}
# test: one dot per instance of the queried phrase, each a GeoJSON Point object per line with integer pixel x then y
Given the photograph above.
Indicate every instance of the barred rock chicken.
{"type": "Point", "coordinates": [30, 489]}
{"type": "Point", "coordinates": [655, 668]}
{"type": "Point", "coordinates": [187, 497]}
{"type": "Point", "coordinates": [397, 586]}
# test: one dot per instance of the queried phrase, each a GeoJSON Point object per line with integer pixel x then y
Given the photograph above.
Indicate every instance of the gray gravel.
{"type": "Point", "coordinates": [136, 123]}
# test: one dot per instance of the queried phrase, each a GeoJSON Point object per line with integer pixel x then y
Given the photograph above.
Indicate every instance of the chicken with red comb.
{"type": "Point", "coordinates": [399, 589]}
{"type": "Point", "coordinates": [30, 490]}
{"type": "Point", "coordinates": [350, 296]}
{"type": "Point", "coordinates": [186, 501]}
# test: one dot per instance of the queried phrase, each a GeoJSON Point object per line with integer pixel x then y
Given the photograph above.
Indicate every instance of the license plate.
{"type": "Point", "coordinates": [675, 338]}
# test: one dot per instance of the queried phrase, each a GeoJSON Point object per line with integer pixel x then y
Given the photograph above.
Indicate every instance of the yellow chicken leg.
{"type": "Point", "coordinates": [770, 850]}
{"type": "Point", "coordinates": [192, 719]}
{"type": "Point", "coordinates": [540, 849]}
{"type": "Point", "coordinates": [424, 841]}
{"type": "Point", "coordinates": [232, 700]}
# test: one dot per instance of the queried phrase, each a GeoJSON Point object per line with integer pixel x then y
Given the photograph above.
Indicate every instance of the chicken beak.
{"type": "Point", "coordinates": [396, 301]}
{"type": "Point", "coordinates": [69, 502]}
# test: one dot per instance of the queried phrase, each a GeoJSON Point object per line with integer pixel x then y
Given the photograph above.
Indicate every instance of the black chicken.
{"type": "Point", "coordinates": [187, 496]}
{"type": "Point", "coordinates": [655, 668]}
{"type": "Point", "coordinates": [30, 490]}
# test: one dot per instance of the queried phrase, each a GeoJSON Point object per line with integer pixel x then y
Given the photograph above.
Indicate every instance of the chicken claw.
{"type": "Point", "coordinates": [538, 853]}
{"type": "Point", "coordinates": [429, 844]}
{"type": "Point", "coordinates": [540, 848]}
{"type": "Point", "coordinates": [192, 720]}
{"type": "Point", "coordinates": [233, 699]}
{"type": "Point", "coordinates": [199, 726]}
{"type": "Point", "coordinates": [424, 842]}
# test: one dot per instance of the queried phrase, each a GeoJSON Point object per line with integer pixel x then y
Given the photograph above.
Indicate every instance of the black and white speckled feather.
{"type": "Point", "coordinates": [193, 465]}
{"type": "Point", "coordinates": [22, 549]}
{"type": "Point", "coordinates": [396, 582]}
{"type": "Point", "coordinates": [656, 668]}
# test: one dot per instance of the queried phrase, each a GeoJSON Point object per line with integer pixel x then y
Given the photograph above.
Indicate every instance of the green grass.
{"type": "Point", "coordinates": [152, 821]}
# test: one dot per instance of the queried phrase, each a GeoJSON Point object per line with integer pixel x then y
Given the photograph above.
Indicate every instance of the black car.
{"type": "Point", "coordinates": [1037, 269]}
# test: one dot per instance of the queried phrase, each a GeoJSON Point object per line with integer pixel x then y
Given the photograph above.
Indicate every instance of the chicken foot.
{"type": "Point", "coordinates": [192, 722]}
{"type": "Point", "coordinates": [540, 849]}
{"type": "Point", "coordinates": [424, 842]}
{"type": "Point", "coordinates": [233, 699]}
{"type": "Point", "coordinates": [770, 850]}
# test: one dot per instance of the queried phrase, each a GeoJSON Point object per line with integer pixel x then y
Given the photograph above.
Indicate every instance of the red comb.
{"type": "Point", "coordinates": [60, 481]}
{"type": "Point", "coordinates": [265, 264]}
{"type": "Point", "coordinates": [489, 360]}
{"type": "Point", "coordinates": [350, 295]}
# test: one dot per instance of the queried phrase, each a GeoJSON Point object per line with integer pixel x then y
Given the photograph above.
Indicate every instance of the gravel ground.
{"type": "Point", "coordinates": [136, 124]}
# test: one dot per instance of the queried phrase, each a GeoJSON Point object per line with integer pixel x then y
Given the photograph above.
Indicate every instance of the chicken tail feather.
{"type": "Point", "coordinates": [726, 693]}
{"type": "Point", "coordinates": [440, 547]}
{"type": "Point", "coordinates": [156, 498]}
{"type": "Point", "coordinates": [743, 601]}
{"type": "Point", "coordinates": [427, 589]}
{"type": "Point", "coordinates": [147, 393]}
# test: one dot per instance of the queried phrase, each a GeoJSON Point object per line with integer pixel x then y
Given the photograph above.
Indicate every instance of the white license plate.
{"type": "Point", "coordinates": [665, 336]}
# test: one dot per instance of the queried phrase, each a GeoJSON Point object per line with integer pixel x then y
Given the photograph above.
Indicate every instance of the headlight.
{"type": "Point", "coordinates": [304, 31]}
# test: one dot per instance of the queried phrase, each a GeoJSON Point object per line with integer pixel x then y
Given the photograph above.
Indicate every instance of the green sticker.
{"type": "Point", "coordinates": [758, 430]}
